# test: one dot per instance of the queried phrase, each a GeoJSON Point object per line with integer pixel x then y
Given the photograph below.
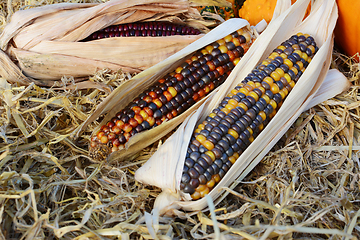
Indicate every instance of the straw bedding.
{"type": "Point", "coordinates": [306, 187]}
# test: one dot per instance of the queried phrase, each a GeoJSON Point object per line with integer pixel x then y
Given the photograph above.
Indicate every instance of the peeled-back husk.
{"type": "Point", "coordinates": [125, 93]}
{"type": "Point", "coordinates": [164, 168]}
{"type": "Point", "coordinates": [45, 41]}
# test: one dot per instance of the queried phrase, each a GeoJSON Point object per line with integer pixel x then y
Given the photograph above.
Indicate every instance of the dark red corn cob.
{"type": "Point", "coordinates": [143, 29]}
{"type": "Point", "coordinates": [175, 93]}
{"type": "Point", "coordinates": [240, 117]}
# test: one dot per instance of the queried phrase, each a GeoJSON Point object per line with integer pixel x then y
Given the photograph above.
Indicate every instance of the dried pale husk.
{"type": "Point", "coordinates": [44, 41]}
{"type": "Point", "coordinates": [164, 168]}
{"type": "Point", "coordinates": [125, 93]}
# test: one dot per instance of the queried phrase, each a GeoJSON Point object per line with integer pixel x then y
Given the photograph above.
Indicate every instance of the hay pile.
{"type": "Point", "coordinates": [306, 187]}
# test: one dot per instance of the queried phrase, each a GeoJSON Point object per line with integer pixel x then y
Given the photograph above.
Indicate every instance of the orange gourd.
{"type": "Point", "coordinates": [347, 30]}
{"type": "Point", "coordinates": [256, 10]}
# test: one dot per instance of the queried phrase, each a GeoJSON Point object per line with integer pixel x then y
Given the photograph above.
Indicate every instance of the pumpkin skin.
{"type": "Point", "coordinates": [256, 10]}
{"type": "Point", "coordinates": [347, 30]}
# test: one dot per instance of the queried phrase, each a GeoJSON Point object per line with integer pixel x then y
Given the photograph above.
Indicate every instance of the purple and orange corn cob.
{"type": "Point", "coordinates": [174, 93]}
{"type": "Point", "coordinates": [143, 29]}
{"type": "Point", "coordinates": [240, 117]}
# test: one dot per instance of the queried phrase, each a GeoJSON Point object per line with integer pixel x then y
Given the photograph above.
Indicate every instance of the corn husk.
{"type": "Point", "coordinates": [164, 168]}
{"type": "Point", "coordinates": [44, 41]}
{"type": "Point", "coordinates": [125, 93]}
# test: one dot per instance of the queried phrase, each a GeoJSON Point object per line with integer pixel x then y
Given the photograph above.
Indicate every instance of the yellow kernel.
{"type": "Point", "coordinates": [228, 38]}
{"type": "Point", "coordinates": [262, 89]}
{"type": "Point", "coordinates": [229, 107]}
{"type": "Point", "coordinates": [240, 31]}
{"type": "Point", "coordinates": [221, 41]}
{"type": "Point", "coordinates": [225, 110]}
{"type": "Point", "coordinates": [288, 62]}
{"type": "Point", "coordinates": [178, 70]}
{"type": "Point", "coordinates": [232, 159]}
{"type": "Point", "coordinates": [274, 54]}
{"type": "Point", "coordinates": [223, 49]}
{"type": "Point", "coordinates": [274, 88]}
{"type": "Point", "coordinates": [201, 126]}
{"type": "Point", "coordinates": [204, 51]}
{"type": "Point", "coordinates": [195, 196]}
{"type": "Point", "coordinates": [299, 34]}
{"type": "Point", "coordinates": [217, 178]}
{"type": "Point", "coordinates": [287, 77]}
{"type": "Point", "coordinates": [243, 106]}
{"type": "Point", "coordinates": [172, 91]}
{"type": "Point", "coordinates": [236, 42]}
{"type": "Point", "coordinates": [266, 98]}
{"type": "Point", "coordinates": [236, 155]}
{"type": "Point", "coordinates": [200, 188]}
{"type": "Point", "coordinates": [233, 133]}
{"type": "Point", "coordinates": [273, 104]}
{"type": "Point", "coordinates": [209, 48]}
{"type": "Point", "coordinates": [294, 69]}
{"type": "Point", "coordinates": [234, 91]}
{"type": "Point", "coordinates": [254, 95]}
{"type": "Point", "coordinates": [144, 114]}
{"type": "Point", "coordinates": [300, 64]}
{"type": "Point", "coordinates": [257, 84]}
{"type": "Point", "coordinates": [194, 58]}
{"type": "Point", "coordinates": [244, 91]}
{"type": "Point", "coordinates": [312, 48]}
{"type": "Point", "coordinates": [281, 47]}
{"type": "Point", "coordinates": [280, 71]}
{"type": "Point", "coordinates": [250, 130]}
{"type": "Point", "coordinates": [212, 115]}
{"type": "Point", "coordinates": [275, 76]}
{"type": "Point", "coordinates": [298, 52]}
{"type": "Point", "coordinates": [292, 84]}
{"type": "Point", "coordinates": [265, 63]}
{"type": "Point", "coordinates": [204, 192]}
{"type": "Point", "coordinates": [251, 139]}
{"type": "Point", "coordinates": [209, 145]}
{"type": "Point", "coordinates": [268, 80]}
{"type": "Point", "coordinates": [236, 61]}
{"type": "Point", "coordinates": [197, 130]}
{"type": "Point", "coordinates": [262, 114]}
{"type": "Point", "coordinates": [282, 93]}
{"type": "Point", "coordinates": [211, 183]}
{"type": "Point", "coordinates": [251, 83]}
{"type": "Point", "coordinates": [201, 138]}
{"type": "Point", "coordinates": [211, 155]}
{"type": "Point", "coordinates": [233, 102]}
{"type": "Point", "coordinates": [271, 57]}
{"type": "Point", "coordinates": [261, 127]}
{"type": "Point", "coordinates": [304, 56]}
{"type": "Point", "coordinates": [230, 95]}
{"type": "Point", "coordinates": [283, 55]}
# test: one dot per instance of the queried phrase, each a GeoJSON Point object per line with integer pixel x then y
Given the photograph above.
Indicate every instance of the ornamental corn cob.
{"type": "Point", "coordinates": [143, 29]}
{"type": "Point", "coordinates": [222, 137]}
{"type": "Point", "coordinates": [173, 94]}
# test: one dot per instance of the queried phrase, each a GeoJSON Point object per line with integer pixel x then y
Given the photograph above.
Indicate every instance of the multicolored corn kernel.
{"type": "Point", "coordinates": [143, 29]}
{"type": "Point", "coordinates": [174, 93]}
{"type": "Point", "coordinates": [225, 134]}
